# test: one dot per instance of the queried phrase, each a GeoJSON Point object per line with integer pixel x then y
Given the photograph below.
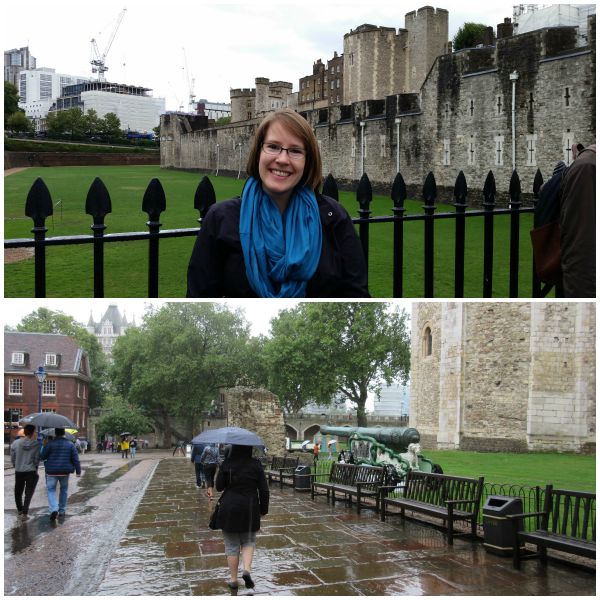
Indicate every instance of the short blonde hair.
{"type": "Point", "coordinates": [298, 126]}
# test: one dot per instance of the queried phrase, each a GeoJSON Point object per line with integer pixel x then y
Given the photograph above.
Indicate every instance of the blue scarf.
{"type": "Point", "coordinates": [281, 251]}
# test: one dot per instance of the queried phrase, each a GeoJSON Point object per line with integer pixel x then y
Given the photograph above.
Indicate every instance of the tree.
{"type": "Point", "coordinates": [44, 320]}
{"type": "Point", "coordinates": [110, 126]}
{"type": "Point", "coordinates": [469, 35]}
{"type": "Point", "coordinates": [19, 122]}
{"type": "Point", "coordinates": [90, 122]}
{"type": "Point", "coordinates": [11, 99]}
{"type": "Point", "coordinates": [175, 363]}
{"type": "Point", "coordinates": [223, 121]}
{"type": "Point", "coordinates": [122, 416]}
{"type": "Point", "coordinates": [322, 350]}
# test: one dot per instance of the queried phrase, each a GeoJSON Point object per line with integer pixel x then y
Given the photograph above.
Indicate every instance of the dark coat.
{"type": "Point", "coordinates": [60, 457]}
{"type": "Point", "coordinates": [245, 497]}
{"type": "Point", "coordinates": [578, 227]}
{"type": "Point", "coordinates": [217, 268]}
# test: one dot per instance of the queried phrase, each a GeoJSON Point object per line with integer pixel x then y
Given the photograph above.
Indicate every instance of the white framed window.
{"type": "Point", "coordinates": [18, 358]}
{"type": "Point", "coordinates": [531, 141]}
{"type": "Point", "coordinates": [499, 150]}
{"type": "Point", "coordinates": [48, 410]}
{"type": "Point", "coordinates": [446, 152]}
{"type": "Point", "coordinates": [49, 387]}
{"type": "Point", "coordinates": [50, 359]}
{"type": "Point", "coordinates": [15, 387]}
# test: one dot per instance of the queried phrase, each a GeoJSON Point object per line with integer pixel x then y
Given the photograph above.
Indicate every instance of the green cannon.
{"type": "Point", "coordinates": [396, 447]}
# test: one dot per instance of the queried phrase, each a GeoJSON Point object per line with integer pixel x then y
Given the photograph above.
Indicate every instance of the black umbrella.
{"type": "Point", "coordinates": [228, 435]}
{"type": "Point", "coordinates": [52, 432]}
{"type": "Point", "coordinates": [49, 420]}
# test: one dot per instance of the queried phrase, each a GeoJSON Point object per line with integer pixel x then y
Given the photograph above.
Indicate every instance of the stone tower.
{"type": "Point", "coordinates": [427, 39]}
{"type": "Point", "coordinates": [512, 376]}
{"type": "Point", "coordinates": [242, 104]}
{"type": "Point", "coordinates": [109, 328]}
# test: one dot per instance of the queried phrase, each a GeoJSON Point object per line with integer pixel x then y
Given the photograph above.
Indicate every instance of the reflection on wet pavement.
{"type": "Point", "coordinates": [310, 548]}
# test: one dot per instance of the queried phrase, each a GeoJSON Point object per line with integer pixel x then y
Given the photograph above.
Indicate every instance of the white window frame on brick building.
{"type": "Point", "coordinates": [15, 386]}
{"type": "Point", "coordinates": [499, 150]}
{"type": "Point", "coordinates": [446, 152]}
{"type": "Point", "coordinates": [50, 359]}
{"type": "Point", "coordinates": [49, 387]}
{"type": "Point", "coordinates": [531, 143]}
{"type": "Point", "coordinates": [18, 358]}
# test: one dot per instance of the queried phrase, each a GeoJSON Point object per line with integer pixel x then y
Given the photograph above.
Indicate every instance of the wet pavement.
{"type": "Point", "coordinates": [140, 528]}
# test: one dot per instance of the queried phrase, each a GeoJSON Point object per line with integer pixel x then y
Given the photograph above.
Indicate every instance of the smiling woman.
{"type": "Point", "coordinates": [282, 238]}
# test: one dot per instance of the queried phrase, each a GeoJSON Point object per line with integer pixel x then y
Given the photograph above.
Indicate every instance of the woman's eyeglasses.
{"type": "Point", "coordinates": [275, 149]}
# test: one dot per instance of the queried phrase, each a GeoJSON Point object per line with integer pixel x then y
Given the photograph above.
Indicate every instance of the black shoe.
{"type": "Point", "coordinates": [247, 579]}
{"type": "Point", "coordinates": [232, 585]}
{"type": "Point", "coordinates": [53, 515]}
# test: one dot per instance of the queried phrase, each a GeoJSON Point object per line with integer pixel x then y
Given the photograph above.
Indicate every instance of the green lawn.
{"type": "Point", "coordinates": [566, 471]}
{"type": "Point", "coordinates": [69, 269]}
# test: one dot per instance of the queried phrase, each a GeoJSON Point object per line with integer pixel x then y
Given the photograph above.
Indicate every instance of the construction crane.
{"type": "Point", "coordinates": [190, 84]}
{"type": "Point", "coordinates": [98, 61]}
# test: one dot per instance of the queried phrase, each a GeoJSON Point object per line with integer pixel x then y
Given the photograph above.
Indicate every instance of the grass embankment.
{"type": "Point", "coordinates": [69, 270]}
{"type": "Point", "coordinates": [13, 145]}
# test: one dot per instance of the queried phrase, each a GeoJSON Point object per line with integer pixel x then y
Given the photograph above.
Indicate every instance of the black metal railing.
{"type": "Point", "coordinates": [39, 207]}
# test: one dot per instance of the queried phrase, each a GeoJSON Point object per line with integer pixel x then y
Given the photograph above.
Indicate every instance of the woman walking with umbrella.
{"type": "Point", "coordinates": [245, 498]}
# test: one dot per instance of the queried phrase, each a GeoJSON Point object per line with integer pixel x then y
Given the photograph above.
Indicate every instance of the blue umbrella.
{"type": "Point", "coordinates": [228, 435]}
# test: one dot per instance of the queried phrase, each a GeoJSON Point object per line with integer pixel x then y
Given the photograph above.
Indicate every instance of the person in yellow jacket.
{"type": "Point", "coordinates": [125, 448]}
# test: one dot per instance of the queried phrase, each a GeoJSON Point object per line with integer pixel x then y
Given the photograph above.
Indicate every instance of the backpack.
{"type": "Point", "coordinates": [545, 235]}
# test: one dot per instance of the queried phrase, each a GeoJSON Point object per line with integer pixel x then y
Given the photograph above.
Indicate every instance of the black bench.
{"type": "Point", "coordinates": [282, 469]}
{"type": "Point", "coordinates": [351, 480]}
{"type": "Point", "coordinates": [568, 524]}
{"type": "Point", "coordinates": [445, 496]}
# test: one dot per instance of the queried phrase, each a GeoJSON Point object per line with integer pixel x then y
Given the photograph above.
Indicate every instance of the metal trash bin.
{"type": "Point", "coordinates": [497, 529]}
{"type": "Point", "coordinates": [301, 481]}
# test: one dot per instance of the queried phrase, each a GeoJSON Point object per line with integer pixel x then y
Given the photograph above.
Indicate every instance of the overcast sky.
{"type": "Point", "coordinates": [227, 45]}
{"type": "Point", "coordinates": [258, 312]}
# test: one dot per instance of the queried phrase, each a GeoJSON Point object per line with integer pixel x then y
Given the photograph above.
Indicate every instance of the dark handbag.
{"type": "Point", "coordinates": [212, 523]}
{"type": "Point", "coordinates": [546, 252]}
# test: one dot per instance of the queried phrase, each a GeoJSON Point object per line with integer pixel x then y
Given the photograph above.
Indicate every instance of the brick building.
{"type": "Point", "coordinates": [65, 389]}
{"type": "Point", "coordinates": [514, 377]}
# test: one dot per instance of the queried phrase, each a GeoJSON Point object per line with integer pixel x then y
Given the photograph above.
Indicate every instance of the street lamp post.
{"type": "Point", "coordinates": [40, 375]}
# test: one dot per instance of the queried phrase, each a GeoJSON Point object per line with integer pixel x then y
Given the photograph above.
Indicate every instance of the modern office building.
{"type": "Point", "coordinates": [393, 401]}
{"type": "Point", "coordinates": [15, 61]}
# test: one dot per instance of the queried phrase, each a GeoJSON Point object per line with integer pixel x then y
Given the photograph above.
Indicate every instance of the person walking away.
{"type": "Point", "coordinates": [25, 458]}
{"type": "Point", "coordinates": [61, 460]}
{"type": "Point", "coordinates": [196, 453]}
{"type": "Point", "coordinates": [578, 225]}
{"type": "Point", "coordinates": [133, 447]}
{"type": "Point", "coordinates": [125, 448]}
{"type": "Point", "coordinates": [245, 499]}
{"type": "Point", "coordinates": [316, 449]}
{"type": "Point", "coordinates": [209, 459]}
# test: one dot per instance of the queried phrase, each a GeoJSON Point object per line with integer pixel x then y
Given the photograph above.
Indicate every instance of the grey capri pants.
{"type": "Point", "coordinates": [235, 541]}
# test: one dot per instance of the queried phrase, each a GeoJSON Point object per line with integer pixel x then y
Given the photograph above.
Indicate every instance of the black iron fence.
{"type": "Point", "coordinates": [39, 207]}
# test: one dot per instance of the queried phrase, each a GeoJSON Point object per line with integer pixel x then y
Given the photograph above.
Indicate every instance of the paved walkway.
{"type": "Point", "coordinates": [308, 547]}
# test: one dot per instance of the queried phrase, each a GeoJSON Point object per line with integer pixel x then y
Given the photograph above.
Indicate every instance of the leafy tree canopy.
{"type": "Point", "coordinates": [174, 364]}
{"type": "Point", "coordinates": [468, 36]}
{"type": "Point", "coordinates": [44, 320]}
{"type": "Point", "coordinates": [322, 350]}
{"type": "Point", "coordinates": [11, 99]}
{"type": "Point", "coordinates": [122, 416]}
{"type": "Point", "coordinates": [19, 122]}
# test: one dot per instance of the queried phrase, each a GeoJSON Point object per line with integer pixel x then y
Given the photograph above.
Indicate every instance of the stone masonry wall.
{"type": "Point", "coordinates": [512, 376]}
{"type": "Point", "coordinates": [257, 410]}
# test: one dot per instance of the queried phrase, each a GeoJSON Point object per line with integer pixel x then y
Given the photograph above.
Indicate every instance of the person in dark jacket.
{"type": "Point", "coordinates": [25, 458]}
{"type": "Point", "coordinates": [196, 454]}
{"type": "Point", "coordinates": [281, 238]}
{"type": "Point", "coordinates": [245, 499]}
{"type": "Point", "coordinates": [209, 459]}
{"type": "Point", "coordinates": [61, 460]}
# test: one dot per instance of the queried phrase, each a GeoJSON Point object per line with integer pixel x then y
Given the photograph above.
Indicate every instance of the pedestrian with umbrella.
{"type": "Point", "coordinates": [61, 459]}
{"type": "Point", "coordinates": [25, 458]}
{"type": "Point", "coordinates": [245, 498]}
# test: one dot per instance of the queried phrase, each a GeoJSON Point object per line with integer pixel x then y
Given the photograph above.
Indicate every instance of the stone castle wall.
{"type": "Point", "coordinates": [505, 376]}
{"type": "Point", "coordinates": [461, 119]}
{"type": "Point", "coordinates": [257, 410]}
